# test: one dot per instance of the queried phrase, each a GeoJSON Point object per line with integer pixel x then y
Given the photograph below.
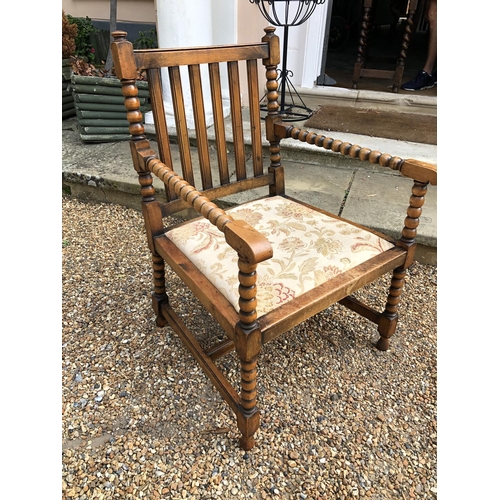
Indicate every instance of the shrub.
{"type": "Point", "coordinates": [147, 40]}
{"type": "Point", "coordinates": [83, 44]}
{"type": "Point", "coordinates": [69, 34]}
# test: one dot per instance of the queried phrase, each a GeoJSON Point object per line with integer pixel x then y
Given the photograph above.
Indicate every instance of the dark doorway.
{"type": "Point", "coordinates": [386, 37]}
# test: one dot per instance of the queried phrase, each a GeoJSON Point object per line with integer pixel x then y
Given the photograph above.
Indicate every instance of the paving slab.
{"type": "Point", "coordinates": [390, 196]}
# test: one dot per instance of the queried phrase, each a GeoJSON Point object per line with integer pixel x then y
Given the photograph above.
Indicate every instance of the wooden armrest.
{"type": "Point", "coordinates": [247, 241]}
{"type": "Point", "coordinates": [419, 171]}
{"type": "Point", "coordinates": [251, 245]}
{"type": "Point", "coordinates": [414, 169]}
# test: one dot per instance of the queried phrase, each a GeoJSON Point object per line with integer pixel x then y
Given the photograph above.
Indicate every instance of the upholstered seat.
{"type": "Point", "coordinates": [309, 248]}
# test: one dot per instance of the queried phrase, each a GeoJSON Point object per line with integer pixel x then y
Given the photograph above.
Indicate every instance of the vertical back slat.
{"type": "Point", "coordinates": [181, 123]}
{"type": "Point", "coordinates": [156, 96]}
{"type": "Point", "coordinates": [237, 119]}
{"type": "Point", "coordinates": [200, 125]}
{"type": "Point", "coordinates": [219, 127]}
{"type": "Point", "coordinates": [254, 108]}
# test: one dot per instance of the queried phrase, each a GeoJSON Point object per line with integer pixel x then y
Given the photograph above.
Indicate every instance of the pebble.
{"type": "Point", "coordinates": [347, 422]}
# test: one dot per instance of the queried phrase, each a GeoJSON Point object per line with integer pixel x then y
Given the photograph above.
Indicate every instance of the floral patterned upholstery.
{"type": "Point", "coordinates": [309, 248]}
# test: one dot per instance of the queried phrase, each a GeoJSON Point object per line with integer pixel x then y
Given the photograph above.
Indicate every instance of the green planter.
{"type": "Point", "coordinates": [100, 112]}
{"type": "Point", "coordinates": [68, 106]}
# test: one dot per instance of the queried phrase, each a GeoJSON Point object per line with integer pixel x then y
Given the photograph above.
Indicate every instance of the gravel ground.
{"type": "Point", "coordinates": [340, 419]}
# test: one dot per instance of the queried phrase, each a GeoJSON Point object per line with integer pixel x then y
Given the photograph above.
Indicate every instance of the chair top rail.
{"type": "Point", "coordinates": [157, 58]}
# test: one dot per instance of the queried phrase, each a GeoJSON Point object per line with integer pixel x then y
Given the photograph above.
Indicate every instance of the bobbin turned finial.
{"type": "Point", "coordinates": [119, 35]}
{"type": "Point", "coordinates": [270, 30]}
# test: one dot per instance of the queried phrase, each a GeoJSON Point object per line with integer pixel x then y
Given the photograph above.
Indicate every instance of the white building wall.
{"type": "Point", "coordinates": [305, 48]}
{"type": "Point", "coordinates": [189, 24]}
{"type": "Point", "coordinates": [224, 19]}
{"type": "Point", "coordinates": [314, 38]}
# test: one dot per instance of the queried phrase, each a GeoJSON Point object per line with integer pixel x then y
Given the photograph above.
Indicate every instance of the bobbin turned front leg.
{"type": "Point", "coordinates": [248, 345]}
{"type": "Point", "coordinates": [389, 318]}
{"type": "Point", "coordinates": [249, 415]}
{"type": "Point", "coordinates": [252, 248]}
{"type": "Point", "coordinates": [159, 295]}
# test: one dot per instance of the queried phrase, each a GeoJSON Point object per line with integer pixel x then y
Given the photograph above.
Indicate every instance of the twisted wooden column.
{"type": "Point", "coordinates": [408, 33]}
{"type": "Point", "coordinates": [216, 215]}
{"type": "Point", "coordinates": [400, 63]}
{"type": "Point", "coordinates": [160, 293]}
{"type": "Point", "coordinates": [414, 212]}
{"type": "Point", "coordinates": [273, 116]}
{"type": "Point", "coordinates": [271, 64]}
{"type": "Point", "coordinates": [365, 33]}
{"type": "Point", "coordinates": [272, 110]}
{"type": "Point", "coordinates": [363, 46]}
{"type": "Point", "coordinates": [127, 75]}
{"type": "Point", "coordinates": [132, 104]}
{"type": "Point", "coordinates": [388, 320]}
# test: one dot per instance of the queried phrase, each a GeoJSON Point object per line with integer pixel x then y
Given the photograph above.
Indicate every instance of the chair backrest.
{"type": "Point", "coordinates": [191, 71]}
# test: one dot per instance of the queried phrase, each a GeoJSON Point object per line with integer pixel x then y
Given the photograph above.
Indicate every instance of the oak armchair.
{"type": "Point", "coordinates": [264, 266]}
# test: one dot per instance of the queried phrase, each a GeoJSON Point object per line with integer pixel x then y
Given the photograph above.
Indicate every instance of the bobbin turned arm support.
{"type": "Point", "coordinates": [250, 245]}
{"type": "Point", "coordinates": [413, 169]}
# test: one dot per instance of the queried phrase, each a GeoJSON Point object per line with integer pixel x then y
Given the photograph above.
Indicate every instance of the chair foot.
{"type": "Point", "coordinates": [157, 301]}
{"type": "Point", "coordinates": [161, 321]}
{"type": "Point", "coordinates": [247, 443]}
{"type": "Point", "coordinates": [248, 424]}
{"type": "Point", "coordinates": [382, 344]}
